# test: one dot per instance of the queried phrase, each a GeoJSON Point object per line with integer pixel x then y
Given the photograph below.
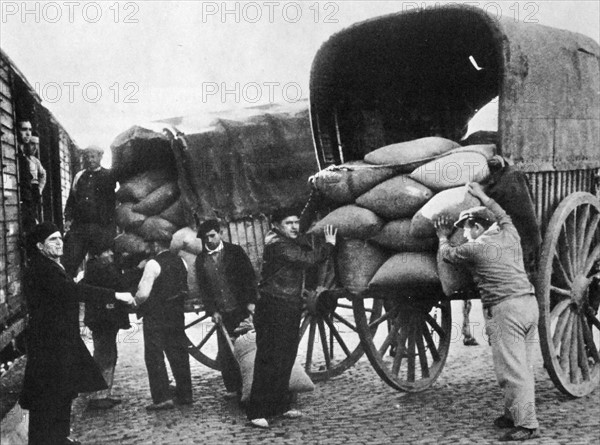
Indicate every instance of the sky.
{"type": "Point", "coordinates": [101, 67]}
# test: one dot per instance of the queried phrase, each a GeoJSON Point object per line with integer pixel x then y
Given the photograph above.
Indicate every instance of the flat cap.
{"type": "Point", "coordinates": [475, 214]}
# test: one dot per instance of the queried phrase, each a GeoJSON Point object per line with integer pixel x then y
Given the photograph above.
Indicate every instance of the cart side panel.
{"type": "Point", "coordinates": [550, 97]}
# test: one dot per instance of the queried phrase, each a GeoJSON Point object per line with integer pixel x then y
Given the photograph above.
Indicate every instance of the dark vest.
{"type": "Point", "coordinates": [165, 303]}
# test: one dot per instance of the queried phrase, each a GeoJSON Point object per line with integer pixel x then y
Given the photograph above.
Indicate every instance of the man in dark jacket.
{"type": "Point", "coordinates": [278, 311]}
{"type": "Point", "coordinates": [105, 320]}
{"type": "Point", "coordinates": [227, 286]}
{"type": "Point", "coordinates": [59, 366]}
{"type": "Point", "coordinates": [161, 294]}
{"type": "Point", "coordinates": [90, 209]}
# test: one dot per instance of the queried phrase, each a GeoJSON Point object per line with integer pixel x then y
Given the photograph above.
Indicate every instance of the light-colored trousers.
{"type": "Point", "coordinates": [511, 327]}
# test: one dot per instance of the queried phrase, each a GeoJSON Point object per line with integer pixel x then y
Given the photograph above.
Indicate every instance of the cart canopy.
{"type": "Point", "coordinates": [427, 72]}
{"type": "Point", "coordinates": [230, 164]}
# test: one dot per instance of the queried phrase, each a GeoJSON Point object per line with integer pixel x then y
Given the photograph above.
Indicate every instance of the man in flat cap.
{"type": "Point", "coordinates": [59, 366]}
{"type": "Point", "coordinates": [493, 256]}
{"type": "Point", "coordinates": [90, 209]}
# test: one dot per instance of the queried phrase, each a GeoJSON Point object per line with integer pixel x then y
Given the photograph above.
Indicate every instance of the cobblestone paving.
{"type": "Point", "coordinates": [354, 408]}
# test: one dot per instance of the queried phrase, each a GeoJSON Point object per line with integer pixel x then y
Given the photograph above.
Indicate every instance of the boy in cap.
{"type": "Point", "coordinates": [493, 256]}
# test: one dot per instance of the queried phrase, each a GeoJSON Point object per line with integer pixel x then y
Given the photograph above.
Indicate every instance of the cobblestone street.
{"type": "Point", "coordinates": [354, 408]}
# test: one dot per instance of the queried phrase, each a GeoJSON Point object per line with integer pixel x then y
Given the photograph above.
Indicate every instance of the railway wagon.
{"type": "Point", "coordinates": [59, 156]}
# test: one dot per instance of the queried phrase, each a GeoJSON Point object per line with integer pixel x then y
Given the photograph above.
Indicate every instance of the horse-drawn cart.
{"type": "Point", "coordinates": [398, 77]}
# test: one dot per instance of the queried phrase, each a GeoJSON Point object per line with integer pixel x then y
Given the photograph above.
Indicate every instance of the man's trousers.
{"type": "Point", "coordinates": [511, 326]}
{"type": "Point", "coordinates": [170, 341]}
{"type": "Point", "coordinates": [52, 425]}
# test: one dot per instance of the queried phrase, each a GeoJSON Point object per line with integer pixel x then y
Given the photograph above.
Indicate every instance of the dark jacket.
{"type": "Point", "coordinates": [237, 268]}
{"type": "Point", "coordinates": [58, 363]}
{"type": "Point", "coordinates": [284, 264]}
{"type": "Point", "coordinates": [97, 315]}
{"type": "Point", "coordinates": [164, 306]}
{"type": "Point", "coordinates": [92, 199]}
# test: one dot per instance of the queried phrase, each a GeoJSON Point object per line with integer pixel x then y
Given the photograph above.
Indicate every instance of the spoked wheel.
{"type": "Point", "coordinates": [568, 295]}
{"type": "Point", "coordinates": [329, 340]}
{"type": "Point", "coordinates": [201, 335]}
{"type": "Point", "coordinates": [411, 353]}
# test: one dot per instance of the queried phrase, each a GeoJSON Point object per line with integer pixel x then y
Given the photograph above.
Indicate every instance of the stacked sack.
{"type": "Point", "coordinates": [149, 208]}
{"type": "Point", "coordinates": [388, 203]}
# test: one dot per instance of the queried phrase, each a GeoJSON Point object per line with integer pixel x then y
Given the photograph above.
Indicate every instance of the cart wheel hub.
{"type": "Point", "coordinates": [321, 302]}
{"type": "Point", "coordinates": [579, 289]}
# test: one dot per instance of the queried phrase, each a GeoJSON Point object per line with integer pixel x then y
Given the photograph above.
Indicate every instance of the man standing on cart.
{"type": "Point", "coordinates": [493, 256]}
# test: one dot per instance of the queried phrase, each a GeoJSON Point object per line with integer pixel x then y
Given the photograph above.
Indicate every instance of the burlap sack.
{"type": "Point", "coordinates": [396, 235]}
{"type": "Point", "coordinates": [357, 261]}
{"type": "Point", "coordinates": [185, 239]}
{"type": "Point", "coordinates": [447, 202]}
{"type": "Point", "coordinates": [344, 183]}
{"type": "Point", "coordinates": [452, 170]}
{"type": "Point", "coordinates": [192, 281]}
{"type": "Point", "coordinates": [244, 350]}
{"type": "Point", "coordinates": [395, 198]}
{"type": "Point", "coordinates": [127, 218]}
{"type": "Point", "coordinates": [159, 200]}
{"type": "Point", "coordinates": [140, 186]}
{"type": "Point", "coordinates": [487, 150]}
{"type": "Point", "coordinates": [175, 213]}
{"type": "Point", "coordinates": [351, 221]}
{"type": "Point", "coordinates": [407, 269]}
{"type": "Point", "coordinates": [155, 228]}
{"type": "Point", "coordinates": [454, 278]}
{"type": "Point", "coordinates": [410, 153]}
{"type": "Point", "coordinates": [131, 243]}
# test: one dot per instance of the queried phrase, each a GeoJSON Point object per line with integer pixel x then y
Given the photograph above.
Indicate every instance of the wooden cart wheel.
{"type": "Point", "coordinates": [568, 295]}
{"type": "Point", "coordinates": [201, 335]}
{"type": "Point", "coordinates": [329, 340]}
{"type": "Point", "coordinates": [411, 353]}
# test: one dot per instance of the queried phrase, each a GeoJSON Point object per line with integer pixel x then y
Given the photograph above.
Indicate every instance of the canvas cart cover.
{"type": "Point", "coordinates": [230, 165]}
{"type": "Point", "coordinates": [428, 71]}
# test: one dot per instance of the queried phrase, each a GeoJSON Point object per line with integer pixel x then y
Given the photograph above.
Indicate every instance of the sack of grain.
{"type": "Point", "coordinates": [396, 235]}
{"type": "Point", "coordinates": [155, 228]}
{"type": "Point", "coordinates": [452, 170]}
{"type": "Point", "coordinates": [357, 261]}
{"type": "Point", "coordinates": [127, 218]}
{"type": "Point", "coordinates": [351, 221]}
{"type": "Point", "coordinates": [185, 239]}
{"type": "Point", "coordinates": [447, 202]}
{"type": "Point", "coordinates": [344, 183]}
{"type": "Point", "coordinates": [140, 186]}
{"type": "Point", "coordinates": [411, 154]}
{"type": "Point", "coordinates": [407, 269]}
{"type": "Point", "coordinates": [454, 278]}
{"type": "Point", "coordinates": [192, 281]}
{"type": "Point", "coordinates": [487, 150]}
{"type": "Point", "coordinates": [131, 243]}
{"type": "Point", "coordinates": [175, 213]}
{"type": "Point", "coordinates": [158, 200]}
{"type": "Point", "coordinates": [395, 198]}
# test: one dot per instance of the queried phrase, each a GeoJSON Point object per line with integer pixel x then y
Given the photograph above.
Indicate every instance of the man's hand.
{"type": "Point", "coordinates": [476, 190]}
{"type": "Point", "coordinates": [126, 298]}
{"type": "Point", "coordinates": [217, 318]}
{"type": "Point", "coordinates": [443, 226]}
{"type": "Point", "coordinates": [251, 307]}
{"type": "Point", "coordinates": [67, 225]}
{"type": "Point", "coordinates": [330, 234]}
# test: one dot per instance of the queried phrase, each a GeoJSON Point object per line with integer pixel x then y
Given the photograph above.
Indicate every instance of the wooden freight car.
{"type": "Point", "coordinates": [58, 154]}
